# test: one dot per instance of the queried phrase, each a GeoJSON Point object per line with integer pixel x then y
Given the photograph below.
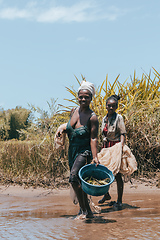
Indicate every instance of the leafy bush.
{"type": "Point", "coordinates": [12, 120]}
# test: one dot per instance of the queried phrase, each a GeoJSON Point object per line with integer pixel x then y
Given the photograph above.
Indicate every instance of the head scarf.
{"type": "Point", "coordinates": [87, 86]}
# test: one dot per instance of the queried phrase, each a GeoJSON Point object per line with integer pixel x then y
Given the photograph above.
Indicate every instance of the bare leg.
{"type": "Point", "coordinates": [79, 193]}
{"type": "Point", "coordinates": [89, 213]}
{"type": "Point", "coordinates": [120, 186]}
{"type": "Point", "coordinates": [105, 198]}
{"type": "Point", "coordinates": [118, 205]}
{"type": "Point", "coordinates": [75, 181]}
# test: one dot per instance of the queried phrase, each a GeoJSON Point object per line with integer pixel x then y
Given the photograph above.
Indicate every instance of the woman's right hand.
{"type": "Point", "coordinates": [61, 130]}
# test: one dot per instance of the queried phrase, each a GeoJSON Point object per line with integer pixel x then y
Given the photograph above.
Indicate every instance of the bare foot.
{"type": "Point", "coordinates": [89, 215]}
{"type": "Point", "coordinates": [105, 198]}
{"type": "Point", "coordinates": [117, 206]}
{"type": "Point", "coordinates": [81, 216]}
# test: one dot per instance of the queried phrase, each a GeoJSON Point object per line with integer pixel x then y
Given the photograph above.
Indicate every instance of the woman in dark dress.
{"type": "Point", "coordinates": [82, 131]}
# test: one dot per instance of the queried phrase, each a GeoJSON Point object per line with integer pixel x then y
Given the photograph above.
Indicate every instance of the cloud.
{"type": "Point", "coordinates": [83, 11]}
{"type": "Point", "coordinates": [82, 39]}
{"type": "Point", "coordinates": [13, 13]}
{"type": "Point", "coordinates": [74, 13]}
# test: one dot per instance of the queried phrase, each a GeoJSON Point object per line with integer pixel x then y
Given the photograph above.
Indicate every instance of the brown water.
{"type": "Point", "coordinates": [52, 217]}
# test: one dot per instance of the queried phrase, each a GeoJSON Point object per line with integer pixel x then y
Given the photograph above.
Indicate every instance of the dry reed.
{"type": "Point", "coordinates": [28, 163]}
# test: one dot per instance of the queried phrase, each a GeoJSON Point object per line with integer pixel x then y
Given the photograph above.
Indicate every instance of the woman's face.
{"type": "Point", "coordinates": [111, 106]}
{"type": "Point", "coordinates": [84, 98]}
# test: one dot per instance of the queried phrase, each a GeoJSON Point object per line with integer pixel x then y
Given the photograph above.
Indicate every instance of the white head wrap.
{"type": "Point", "coordinates": [87, 86]}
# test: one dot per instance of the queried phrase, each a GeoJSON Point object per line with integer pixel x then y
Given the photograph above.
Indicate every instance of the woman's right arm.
{"type": "Point", "coordinates": [61, 129]}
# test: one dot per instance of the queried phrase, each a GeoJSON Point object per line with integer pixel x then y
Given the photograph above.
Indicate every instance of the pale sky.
{"type": "Point", "coordinates": [44, 44]}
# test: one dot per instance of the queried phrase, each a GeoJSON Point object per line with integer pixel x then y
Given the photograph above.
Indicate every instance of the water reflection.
{"type": "Point", "coordinates": [53, 218]}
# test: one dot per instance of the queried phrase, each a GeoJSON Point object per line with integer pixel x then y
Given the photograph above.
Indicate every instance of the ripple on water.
{"type": "Point", "coordinates": [36, 228]}
{"type": "Point", "coordinates": [66, 228]}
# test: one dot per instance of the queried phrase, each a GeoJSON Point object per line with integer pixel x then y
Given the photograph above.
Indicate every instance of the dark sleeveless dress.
{"type": "Point", "coordinates": [79, 142]}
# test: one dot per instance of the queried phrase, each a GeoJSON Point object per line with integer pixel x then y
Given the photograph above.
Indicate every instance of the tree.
{"type": "Point", "coordinates": [12, 121]}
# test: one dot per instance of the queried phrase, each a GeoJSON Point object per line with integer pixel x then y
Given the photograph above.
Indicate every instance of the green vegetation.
{"type": "Point", "coordinates": [27, 153]}
{"type": "Point", "coordinates": [13, 120]}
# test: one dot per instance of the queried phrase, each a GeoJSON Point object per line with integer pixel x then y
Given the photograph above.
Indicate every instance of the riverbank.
{"type": "Point", "coordinates": [41, 213]}
{"type": "Point", "coordinates": [140, 185]}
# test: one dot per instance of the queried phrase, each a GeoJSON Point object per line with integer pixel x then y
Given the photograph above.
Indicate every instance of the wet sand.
{"type": "Point", "coordinates": [50, 214]}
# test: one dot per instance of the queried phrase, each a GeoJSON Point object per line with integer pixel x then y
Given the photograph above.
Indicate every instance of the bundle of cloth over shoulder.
{"type": "Point", "coordinates": [59, 141]}
{"type": "Point", "coordinates": [116, 161]}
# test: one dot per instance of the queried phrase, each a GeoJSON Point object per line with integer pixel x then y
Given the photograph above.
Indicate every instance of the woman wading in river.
{"type": "Point", "coordinates": [82, 131]}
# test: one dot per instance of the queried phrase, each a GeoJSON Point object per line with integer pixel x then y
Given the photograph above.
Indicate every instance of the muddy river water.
{"type": "Point", "coordinates": [51, 215]}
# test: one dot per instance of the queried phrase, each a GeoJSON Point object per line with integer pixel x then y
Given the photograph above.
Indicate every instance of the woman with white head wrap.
{"type": "Point", "coordinates": [82, 131]}
{"type": "Point", "coordinates": [87, 86]}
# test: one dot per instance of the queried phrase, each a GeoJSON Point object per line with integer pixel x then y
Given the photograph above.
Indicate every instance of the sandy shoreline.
{"type": "Point", "coordinates": [147, 186]}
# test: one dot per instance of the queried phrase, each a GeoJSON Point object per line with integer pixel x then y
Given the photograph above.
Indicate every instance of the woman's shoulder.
{"type": "Point", "coordinates": [93, 113]}
{"type": "Point", "coordinates": [73, 110]}
{"type": "Point", "coordinates": [120, 119]}
{"type": "Point", "coordinates": [119, 116]}
{"type": "Point", "coordinates": [93, 116]}
{"type": "Point", "coordinates": [104, 119]}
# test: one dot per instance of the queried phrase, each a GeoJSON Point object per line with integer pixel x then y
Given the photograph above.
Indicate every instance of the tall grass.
{"type": "Point", "coordinates": [35, 161]}
{"type": "Point", "coordinates": [140, 106]}
{"type": "Point", "coordinates": [30, 163]}
{"type": "Point", "coordinates": [143, 136]}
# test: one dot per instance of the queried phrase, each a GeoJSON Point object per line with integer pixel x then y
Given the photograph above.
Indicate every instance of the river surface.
{"type": "Point", "coordinates": [52, 216]}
